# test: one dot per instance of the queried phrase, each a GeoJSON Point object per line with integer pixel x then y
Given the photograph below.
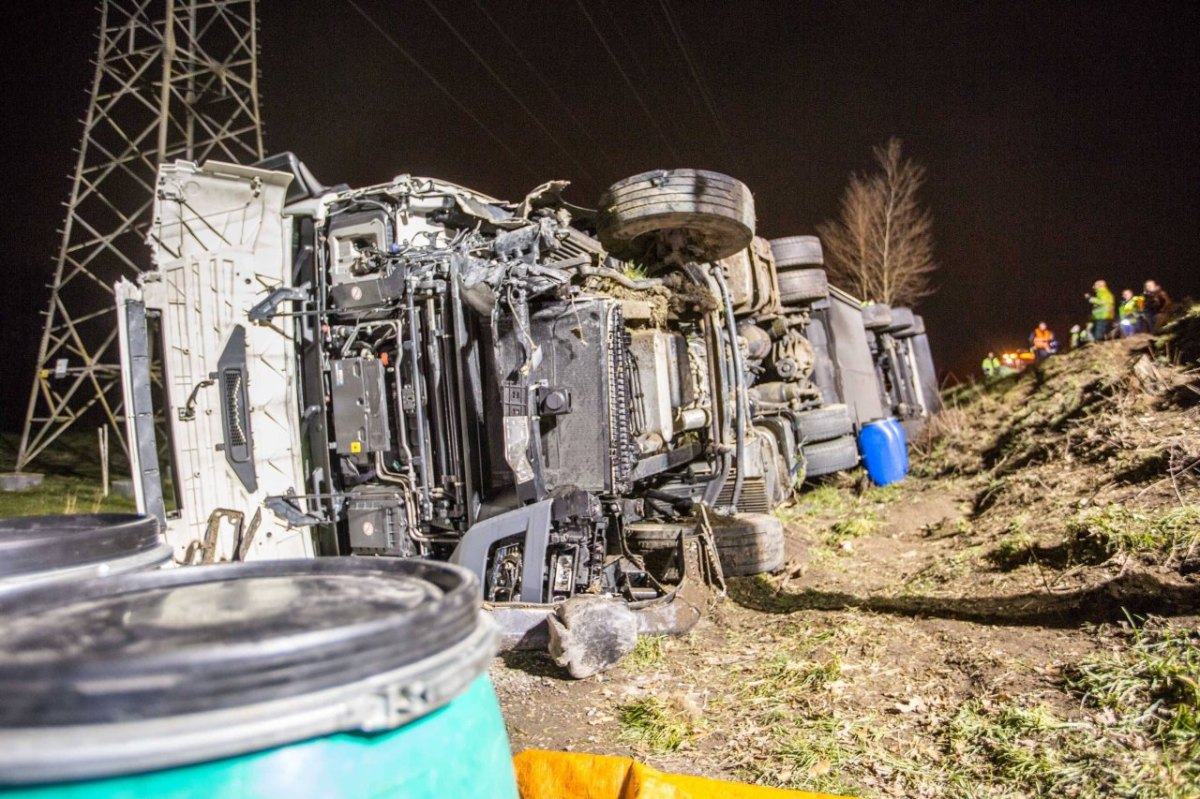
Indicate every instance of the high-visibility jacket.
{"type": "Point", "coordinates": [1102, 304]}
{"type": "Point", "coordinates": [1042, 339]}
{"type": "Point", "coordinates": [1132, 307]}
{"type": "Point", "coordinates": [991, 366]}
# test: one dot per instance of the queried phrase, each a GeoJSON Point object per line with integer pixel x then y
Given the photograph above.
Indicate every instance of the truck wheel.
{"type": "Point", "coordinates": [802, 286]}
{"type": "Point", "coordinates": [902, 319]}
{"type": "Point", "coordinates": [915, 329]}
{"type": "Point", "coordinates": [749, 543]}
{"type": "Point", "coordinates": [824, 424]}
{"type": "Point", "coordinates": [877, 316]}
{"type": "Point", "coordinates": [797, 251]}
{"type": "Point", "coordinates": [828, 457]}
{"type": "Point", "coordinates": [714, 211]}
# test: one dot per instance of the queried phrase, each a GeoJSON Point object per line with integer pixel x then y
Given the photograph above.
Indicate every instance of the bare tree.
{"type": "Point", "coordinates": [881, 245]}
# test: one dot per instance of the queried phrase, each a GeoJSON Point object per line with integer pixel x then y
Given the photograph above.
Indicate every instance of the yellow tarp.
{"type": "Point", "coordinates": [567, 775]}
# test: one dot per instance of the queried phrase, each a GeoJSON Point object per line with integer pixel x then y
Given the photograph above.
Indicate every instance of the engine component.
{"type": "Point", "coordinates": [792, 357]}
{"type": "Point", "coordinates": [356, 240]}
{"type": "Point", "coordinates": [377, 521]}
{"type": "Point", "coordinates": [757, 341]}
{"type": "Point", "coordinates": [583, 345]}
{"type": "Point", "coordinates": [657, 359]}
{"type": "Point", "coordinates": [360, 417]}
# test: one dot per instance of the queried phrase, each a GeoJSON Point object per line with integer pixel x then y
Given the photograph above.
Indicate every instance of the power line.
{"type": "Point", "coordinates": [537, 73]}
{"type": "Point", "coordinates": [649, 85]}
{"type": "Point", "coordinates": [516, 99]}
{"type": "Point", "coordinates": [701, 84]}
{"type": "Point", "coordinates": [633, 89]}
{"type": "Point", "coordinates": [449, 95]}
{"type": "Point", "coordinates": [620, 29]}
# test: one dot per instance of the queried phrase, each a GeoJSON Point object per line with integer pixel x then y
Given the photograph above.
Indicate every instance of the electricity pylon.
{"type": "Point", "coordinates": [174, 79]}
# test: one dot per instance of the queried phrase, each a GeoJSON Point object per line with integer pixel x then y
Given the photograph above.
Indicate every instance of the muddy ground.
{"type": "Point", "coordinates": [1019, 618]}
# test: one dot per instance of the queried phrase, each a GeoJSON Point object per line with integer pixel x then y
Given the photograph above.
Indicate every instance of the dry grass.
{"type": "Point", "coordinates": [660, 725]}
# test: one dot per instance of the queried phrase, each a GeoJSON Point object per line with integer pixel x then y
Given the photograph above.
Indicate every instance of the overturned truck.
{"type": "Point", "coordinates": [554, 397]}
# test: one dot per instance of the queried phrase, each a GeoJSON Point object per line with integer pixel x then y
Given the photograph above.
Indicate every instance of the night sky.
{"type": "Point", "coordinates": [1060, 139]}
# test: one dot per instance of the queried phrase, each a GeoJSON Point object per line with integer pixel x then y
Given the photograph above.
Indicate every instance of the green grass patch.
{"type": "Point", "coordinates": [1012, 551]}
{"type": "Point", "coordinates": [1151, 687]}
{"type": "Point", "coordinates": [1015, 748]}
{"type": "Point", "coordinates": [648, 653]}
{"type": "Point", "coordinates": [853, 527]}
{"type": "Point", "coordinates": [72, 478]}
{"type": "Point", "coordinates": [656, 724]}
{"type": "Point", "coordinates": [883, 495]}
{"type": "Point", "coordinates": [59, 494]}
{"type": "Point", "coordinates": [1117, 530]}
{"type": "Point", "coordinates": [825, 499]}
{"type": "Point", "coordinates": [634, 271]}
{"type": "Point", "coordinates": [783, 679]}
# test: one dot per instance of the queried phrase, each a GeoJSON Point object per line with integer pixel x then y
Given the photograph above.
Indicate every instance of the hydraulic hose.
{"type": "Point", "coordinates": [719, 379]}
{"type": "Point", "coordinates": [739, 387]}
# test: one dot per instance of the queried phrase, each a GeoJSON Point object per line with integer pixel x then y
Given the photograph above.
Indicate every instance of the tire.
{"type": "Point", "coordinates": [915, 329]}
{"type": "Point", "coordinates": [828, 457]}
{"type": "Point", "coordinates": [902, 319]}
{"type": "Point", "coordinates": [802, 286]}
{"type": "Point", "coordinates": [877, 316]}
{"type": "Point", "coordinates": [63, 549]}
{"type": "Point", "coordinates": [655, 536]}
{"type": "Point", "coordinates": [715, 210]}
{"type": "Point", "coordinates": [824, 424]}
{"type": "Point", "coordinates": [797, 251]}
{"type": "Point", "coordinates": [749, 543]}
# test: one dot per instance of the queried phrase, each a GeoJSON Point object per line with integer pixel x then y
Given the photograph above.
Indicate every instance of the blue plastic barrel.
{"type": "Point", "coordinates": [884, 452]}
{"type": "Point", "coordinates": [901, 440]}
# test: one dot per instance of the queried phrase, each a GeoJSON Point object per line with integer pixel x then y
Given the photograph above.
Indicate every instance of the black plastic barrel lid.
{"type": "Point", "coordinates": [199, 638]}
{"type": "Point", "coordinates": [32, 544]}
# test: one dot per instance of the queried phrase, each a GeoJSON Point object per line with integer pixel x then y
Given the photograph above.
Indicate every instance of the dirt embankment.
{"type": "Point", "coordinates": [1019, 618]}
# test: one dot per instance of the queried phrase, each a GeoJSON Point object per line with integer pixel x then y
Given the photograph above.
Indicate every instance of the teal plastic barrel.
{"type": "Point", "coordinates": [325, 678]}
{"type": "Point", "coordinates": [40, 550]}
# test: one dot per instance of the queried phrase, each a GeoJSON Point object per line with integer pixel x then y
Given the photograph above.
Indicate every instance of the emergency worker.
{"type": "Point", "coordinates": [1103, 309]}
{"type": "Point", "coordinates": [1042, 342]}
{"type": "Point", "coordinates": [1156, 304]}
{"type": "Point", "coordinates": [1129, 313]}
{"type": "Point", "coordinates": [991, 366]}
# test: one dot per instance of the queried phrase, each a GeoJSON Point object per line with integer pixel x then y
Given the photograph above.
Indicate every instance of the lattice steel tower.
{"type": "Point", "coordinates": [174, 79]}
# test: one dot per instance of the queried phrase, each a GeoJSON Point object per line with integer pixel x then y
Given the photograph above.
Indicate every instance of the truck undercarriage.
{"type": "Point", "coordinates": [556, 398]}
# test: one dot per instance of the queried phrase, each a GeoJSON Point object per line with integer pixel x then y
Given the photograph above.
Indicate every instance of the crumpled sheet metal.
{"type": "Point", "coordinates": [571, 775]}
